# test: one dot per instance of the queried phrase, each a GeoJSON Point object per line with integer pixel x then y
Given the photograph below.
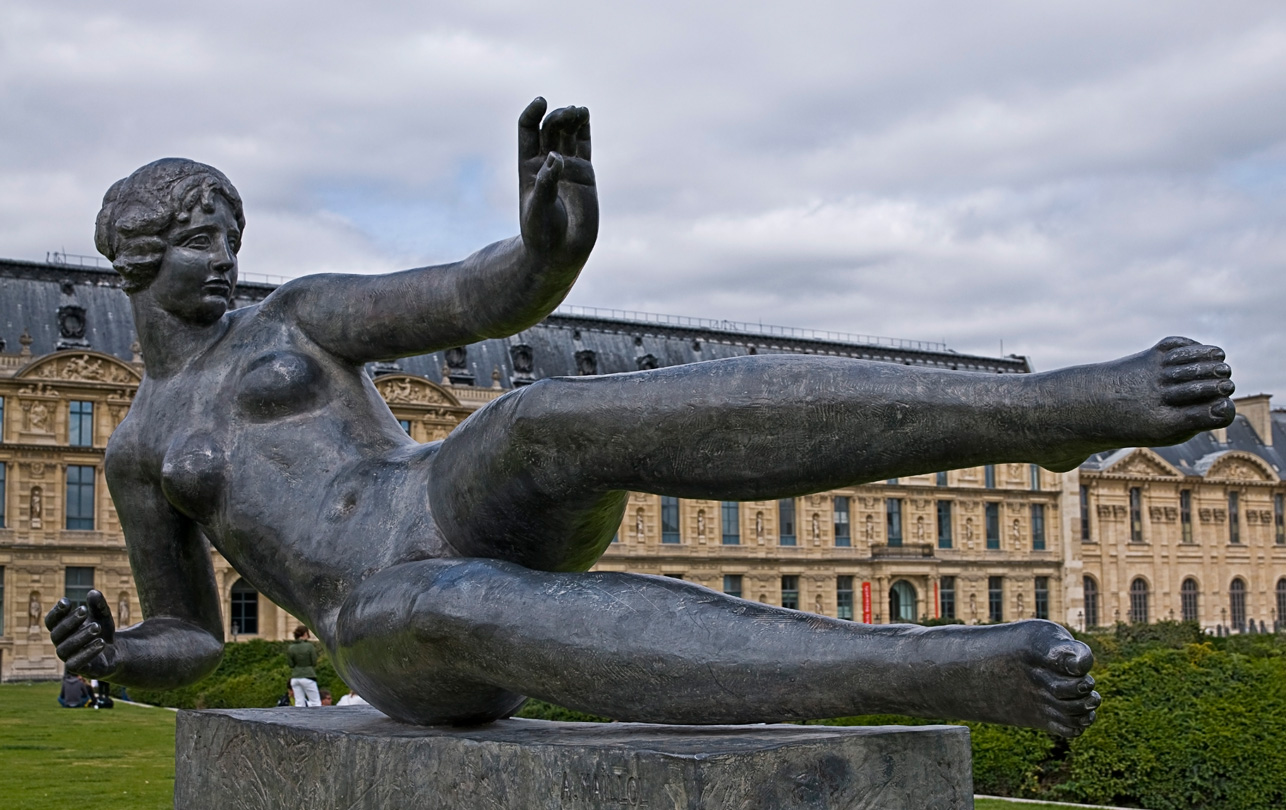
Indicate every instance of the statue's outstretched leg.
{"type": "Point", "coordinates": [538, 476]}
{"type": "Point", "coordinates": [460, 641]}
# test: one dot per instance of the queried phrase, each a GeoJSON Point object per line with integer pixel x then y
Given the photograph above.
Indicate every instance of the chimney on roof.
{"type": "Point", "coordinates": [1258, 412]}
{"type": "Point", "coordinates": [71, 320]}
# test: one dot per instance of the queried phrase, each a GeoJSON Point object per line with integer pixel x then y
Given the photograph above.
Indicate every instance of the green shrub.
{"type": "Point", "coordinates": [252, 674]}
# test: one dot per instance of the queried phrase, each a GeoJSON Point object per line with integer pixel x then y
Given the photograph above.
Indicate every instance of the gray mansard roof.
{"type": "Point", "coordinates": [607, 341]}
{"type": "Point", "coordinates": [1196, 456]}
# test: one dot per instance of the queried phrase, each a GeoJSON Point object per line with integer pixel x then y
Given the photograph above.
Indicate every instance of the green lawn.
{"type": "Point", "coordinates": [53, 758]}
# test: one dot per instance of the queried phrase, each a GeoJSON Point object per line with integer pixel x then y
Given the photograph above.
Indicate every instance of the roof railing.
{"type": "Point", "coordinates": [742, 327]}
{"type": "Point", "coordinates": [76, 259]}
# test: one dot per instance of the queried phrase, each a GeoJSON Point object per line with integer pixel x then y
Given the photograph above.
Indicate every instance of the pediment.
{"type": "Point", "coordinates": [408, 389]}
{"type": "Point", "coordinates": [81, 366]}
{"type": "Point", "coordinates": [1143, 462]}
{"type": "Point", "coordinates": [1241, 466]}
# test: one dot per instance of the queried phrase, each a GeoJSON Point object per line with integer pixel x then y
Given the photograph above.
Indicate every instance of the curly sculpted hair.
{"type": "Point", "coordinates": [139, 209]}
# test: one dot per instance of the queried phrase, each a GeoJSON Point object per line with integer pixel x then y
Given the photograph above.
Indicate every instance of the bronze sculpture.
{"type": "Point", "coordinates": [448, 580]}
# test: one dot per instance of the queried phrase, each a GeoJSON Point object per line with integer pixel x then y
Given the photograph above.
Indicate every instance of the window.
{"type": "Point", "coordinates": [1042, 598]}
{"type": "Point", "coordinates": [1, 420]}
{"type": "Point", "coordinates": [844, 597]}
{"type": "Point", "coordinates": [1091, 602]}
{"type": "Point", "coordinates": [947, 597]}
{"type": "Point", "coordinates": [1136, 515]}
{"type": "Point", "coordinates": [786, 521]}
{"type": "Point", "coordinates": [790, 592]}
{"type": "Point", "coordinates": [1237, 604]}
{"type": "Point", "coordinates": [81, 428]}
{"type": "Point", "coordinates": [1, 600]}
{"type": "Point", "coordinates": [244, 614]}
{"type": "Point", "coordinates": [1279, 517]}
{"type": "Point", "coordinates": [989, 476]}
{"type": "Point", "coordinates": [2, 493]}
{"type": "Point", "coordinates": [732, 585]}
{"type": "Point", "coordinates": [406, 425]}
{"type": "Point", "coordinates": [1035, 477]}
{"type": "Point", "coordinates": [893, 509]}
{"type": "Point", "coordinates": [1281, 602]}
{"type": "Point", "coordinates": [1085, 514]}
{"type": "Point", "coordinates": [669, 519]}
{"type": "Point", "coordinates": [941, 479]}
{"type": "Point", "coordinates": [731, 520]}
{"type": "Point", "coordinates": [892, 482]}
{"type": "Point", "coordinates": [77, 584]}
{"type": "Point", "coordinates": [843, 532]}
{"type": "Point", "coordinates": [1139, 601]}
{"type": "Point", "coordinates": [996, 598]}
{"type": "Point", "coordinates": [1185, 514]}
{"type": "Point", "coordinates": [1234, 519]}
{"type": "Point", "coordinates": [80, 497]}
{"type": "Point", "coordinates": [1188, 604]}
{"type": "Point", "coordinates": [993, 525]}
{"type": "Point", "coordinates": [1038, 526]}
{"type": "Point", "coordinates": [944, 524]}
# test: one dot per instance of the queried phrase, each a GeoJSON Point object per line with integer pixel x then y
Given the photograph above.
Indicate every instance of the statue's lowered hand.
{"type": "Point", "coordinates": [84, 636]}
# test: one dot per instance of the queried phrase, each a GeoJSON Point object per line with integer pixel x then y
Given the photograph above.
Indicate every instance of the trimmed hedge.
{"type": "Point", "coordinates": [252, 674]}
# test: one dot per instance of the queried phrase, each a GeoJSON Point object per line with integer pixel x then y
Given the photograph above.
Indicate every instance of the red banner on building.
{"type": "Point", "coordinates": [866, 602]}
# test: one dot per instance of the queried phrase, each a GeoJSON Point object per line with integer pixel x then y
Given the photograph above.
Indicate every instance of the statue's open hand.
{"type": "Point", "coordinates": [84, 636]}
{"type": "Point", "coordinates": [558, 203]}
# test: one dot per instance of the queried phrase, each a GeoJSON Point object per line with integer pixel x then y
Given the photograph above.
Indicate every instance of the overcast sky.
{"type": "Point", "coordinates": [1075, 179]}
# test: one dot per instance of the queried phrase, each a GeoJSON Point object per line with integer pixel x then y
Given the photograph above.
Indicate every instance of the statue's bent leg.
{"type": "Point", "coordinates": [460, 640]}
{"type": "Point", "coordinates": [538, 476]}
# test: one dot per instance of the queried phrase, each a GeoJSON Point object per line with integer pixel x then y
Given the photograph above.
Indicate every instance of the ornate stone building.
{"type": "Point", "coordinates": [1193, 532]}
{"type": "Point", "coordinates": [982, 544]}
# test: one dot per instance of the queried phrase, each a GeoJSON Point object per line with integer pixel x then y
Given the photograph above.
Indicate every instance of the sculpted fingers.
{"type": "Point", "coordinates": [101, 613]}
{"type": "Point", "coordinates": [57, 613]}
{"type": "Point", "coordinates": [69, 624]}
{"type": "Point", "coordinates": [582, 138]}
{"type": "Point", "coordinates": [557, 133]}
{"type": "Point", "coordinates": [1201, 391]}
{"type": "Point", "coordinates": [1174, 342]}
{"type": "Point", "coordinates": [81, 661]}
{"type": "Point", "coordinates": [529, 129]}
{"type": "Point", "coordinates": [76, 642]}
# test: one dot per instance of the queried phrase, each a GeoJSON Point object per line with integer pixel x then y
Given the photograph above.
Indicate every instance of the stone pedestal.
{"type": "Point", "coordinates": [357, 759]}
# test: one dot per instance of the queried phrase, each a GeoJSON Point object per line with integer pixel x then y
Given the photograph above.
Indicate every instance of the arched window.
{"type": "Point", "coordinates": [1281, 604]}
{"type": "Point", "coordinates": [244, 614]}
{"type": "Point", "coordinates": [1237, 604]}
{"type": "Point", "coordinates": [1091, 602]}
{"type": "Point", "coordinates": [1188, 603]}
{"type": "Point", "coordinates": [902, 602]}
{"type": "Point", "coordinates": [1139, 601]}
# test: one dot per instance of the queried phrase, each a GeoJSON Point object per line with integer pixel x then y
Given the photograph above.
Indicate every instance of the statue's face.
{"type": "Point", "coordinates": [199, 270]}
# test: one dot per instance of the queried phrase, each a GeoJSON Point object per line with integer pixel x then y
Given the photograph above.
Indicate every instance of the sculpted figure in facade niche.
{"type": "Point", "coordinates": [919, 528]}
{"type": "Point", "coordinates": [34, 612]}
{"type": "Point", "coordinates": [36, 508]}
{"type": "Point", "coordinates": [759, 527]}
{"type": "Point", "coordinates": [258, 429]}
{"type": "Point", "coordinates": [638, 525]}
{"type": "Point", "coordinates": [817, 529]}
{"type": "Point", "coordinates": [38, 417]}
{"type": "Point", "coordinates": [868, 529]}
{"type": "Point", "coordinates": [122, 608]}
{"type": "Point", "coordinates": [701, 523]}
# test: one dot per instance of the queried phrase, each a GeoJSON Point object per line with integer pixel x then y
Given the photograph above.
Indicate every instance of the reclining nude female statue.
{"type": "Point", "coordinates": [449, 580]}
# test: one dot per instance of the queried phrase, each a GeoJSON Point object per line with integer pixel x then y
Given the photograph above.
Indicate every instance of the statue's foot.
{"type": "Point", "coordinates": [1159, 397]}
{"type": "Point", "coordinates": [1029, 673]}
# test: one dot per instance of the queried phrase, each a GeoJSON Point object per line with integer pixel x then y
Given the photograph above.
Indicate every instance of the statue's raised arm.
{"type": "Point", "coordinates": [498, 291]}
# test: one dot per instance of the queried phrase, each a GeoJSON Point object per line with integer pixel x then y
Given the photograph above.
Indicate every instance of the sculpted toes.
{"type": "Point", "coordinates": [1175, 342]}
{"type": "Point", "coordinates": [1194, 354]}
{"type": "Point", "coordinates": [1073, 658]}
{"type": "Point", "coordinates": [1223, 412]}
{"type": "Point", "coordinates": [1070, 688]}
{"type": "Point", "coordinates": [1196, 371]}
{"type": "Point", "coordinates": [1202, 391]}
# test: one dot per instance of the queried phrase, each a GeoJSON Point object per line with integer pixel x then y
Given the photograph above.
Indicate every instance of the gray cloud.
{"type": "Point", "coordinates": [1075, 179]}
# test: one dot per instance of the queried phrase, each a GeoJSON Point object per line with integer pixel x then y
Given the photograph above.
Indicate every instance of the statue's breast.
{"type": "Point", "coordinates": [194, 474]}
{"type": "Point", "coordinates": [278, 384]}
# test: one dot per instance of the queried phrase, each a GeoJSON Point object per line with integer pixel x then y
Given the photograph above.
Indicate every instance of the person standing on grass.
{"type": "Point", "coordinates": [303, 673]}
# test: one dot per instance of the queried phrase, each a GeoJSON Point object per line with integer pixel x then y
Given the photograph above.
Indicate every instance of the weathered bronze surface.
{"type": "Point", "coordinates": [448, 580]}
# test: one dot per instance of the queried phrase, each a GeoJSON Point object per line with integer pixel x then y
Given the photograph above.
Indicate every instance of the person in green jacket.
{"type": "Point", "coordinates": [303, 673]}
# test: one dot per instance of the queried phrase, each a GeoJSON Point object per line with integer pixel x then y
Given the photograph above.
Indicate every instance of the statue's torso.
{"type": "Point", "coordinates": [288, 459]}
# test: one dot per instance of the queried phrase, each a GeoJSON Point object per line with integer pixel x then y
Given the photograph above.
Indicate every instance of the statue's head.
{"type": "Point", "coordinates": [138, 210]}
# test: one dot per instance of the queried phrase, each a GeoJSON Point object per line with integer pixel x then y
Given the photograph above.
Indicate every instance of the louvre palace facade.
{"type": "Point", "coordinates": [993, 543]}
